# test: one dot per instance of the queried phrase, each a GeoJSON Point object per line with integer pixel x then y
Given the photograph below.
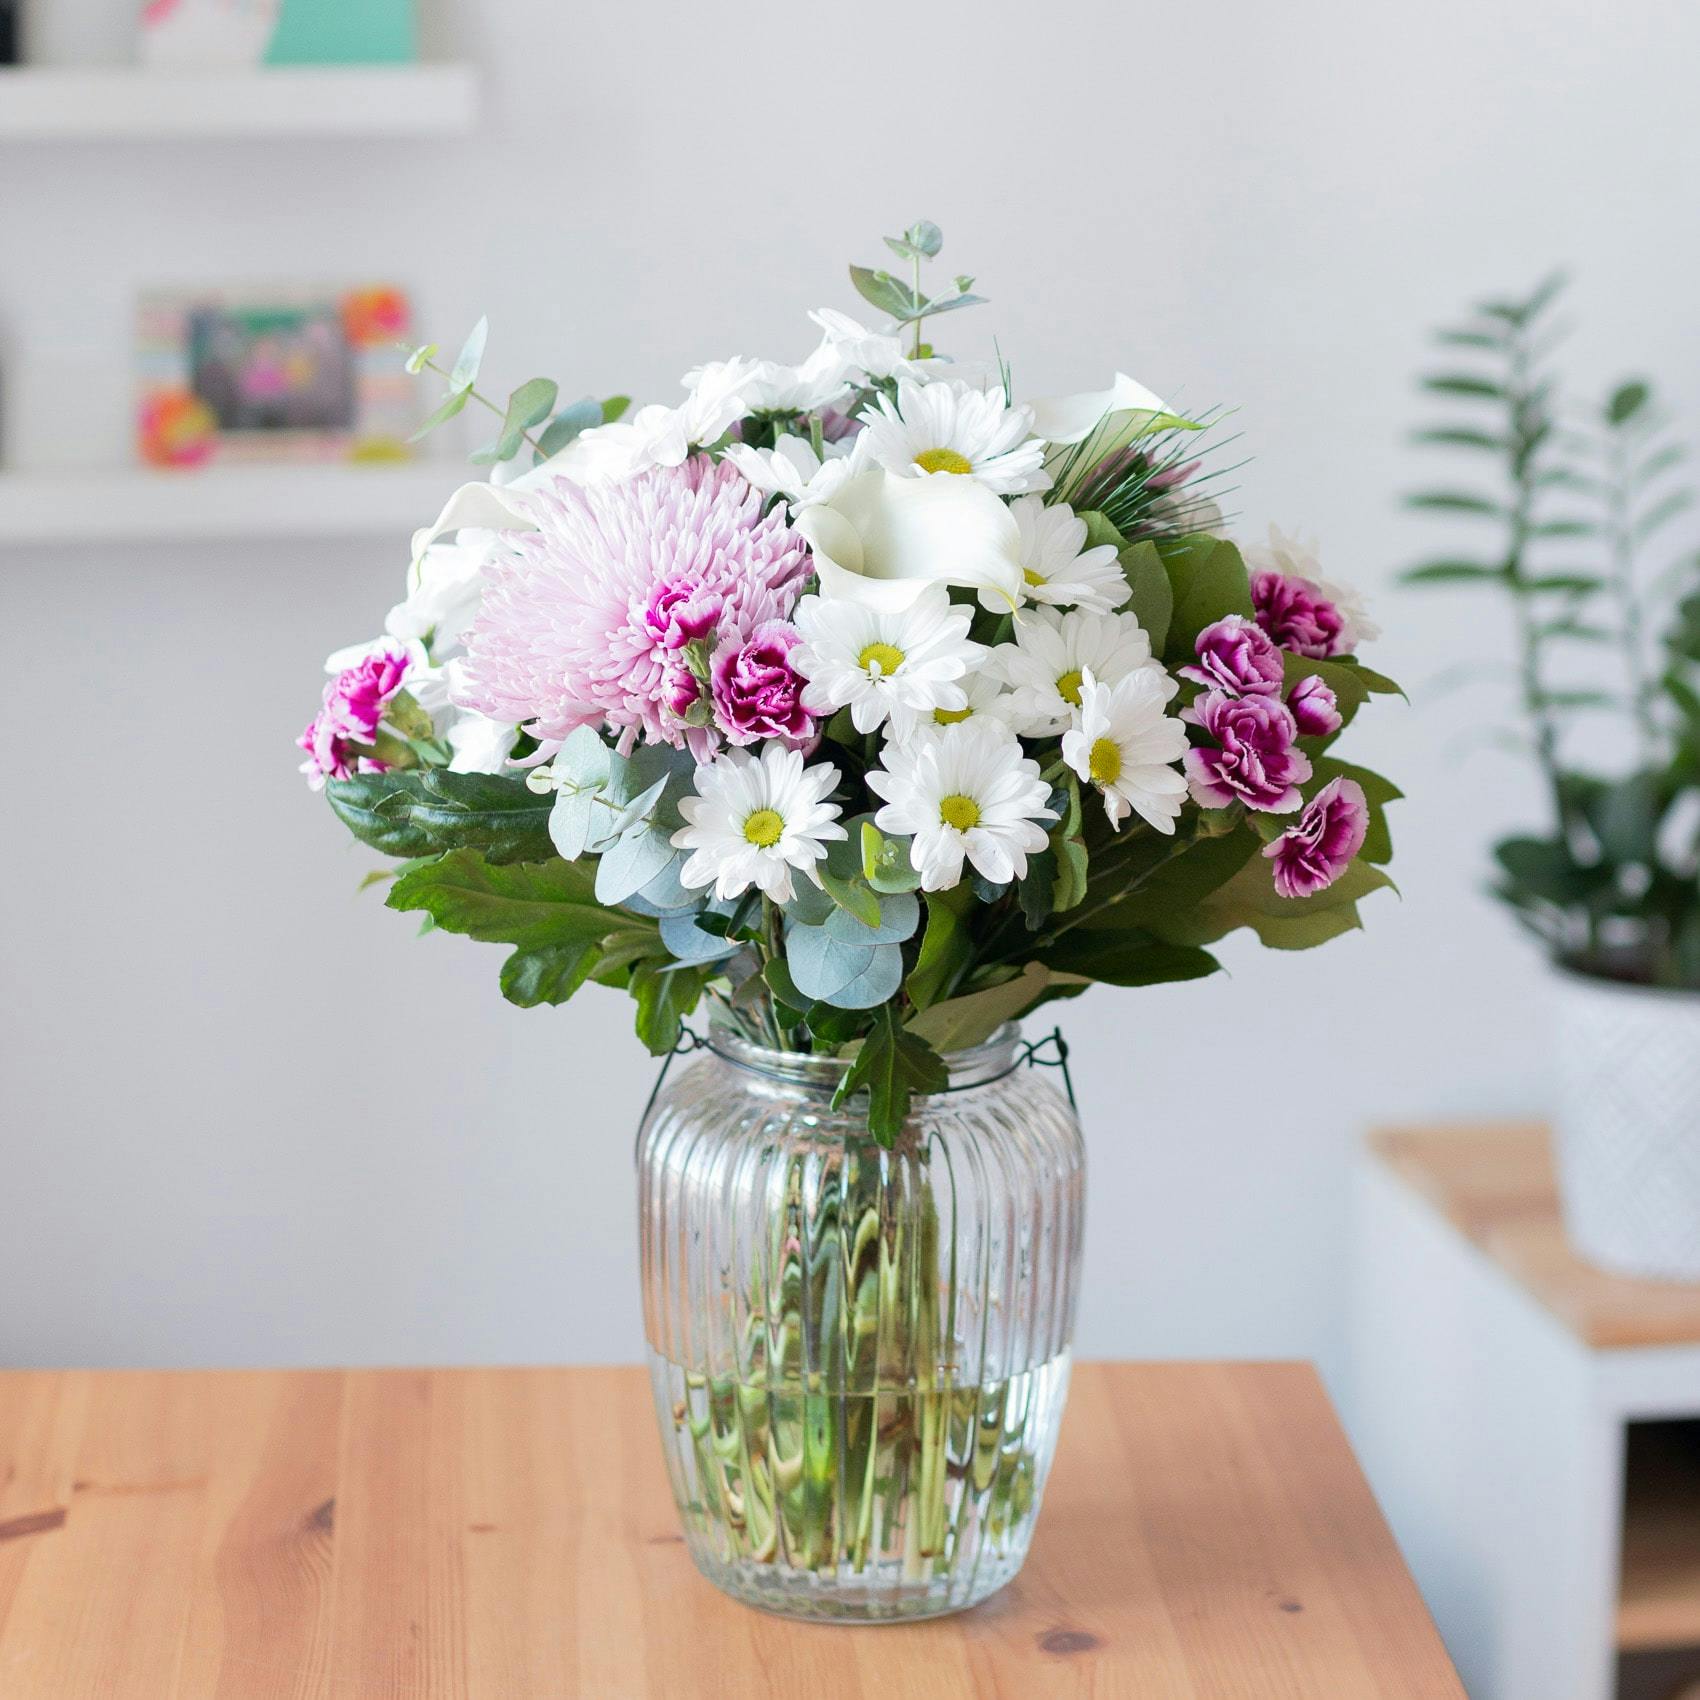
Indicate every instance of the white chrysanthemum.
{"type": "Point", "coordinates": [884, 663]}
{"type": "Point", "coordinates": [1052, 653]}
{"type": "Point", "coordinates": [1126, 744]}
{"type": "Point", "coordinates": [862, 353]}
{"type": "Point", "coordinates": [1056, 566]}
{"type": "Point", "coordinates": [951, 427]}
{"type": "Point", "coordinates": [792, 469]}
{"type": "Point", "coordinates": [987, 699]}
{"type": "Point", "coordinates": [1297, 559]}
{"type": "Point", "coordinates": [970, 793]}
{"type": "Point", "coordinates": [756, 819]}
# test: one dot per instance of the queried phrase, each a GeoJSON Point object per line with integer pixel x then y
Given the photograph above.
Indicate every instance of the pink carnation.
{"type": "Point", "coordinates": [1315, 708]}
{"type": "Point", "coordinates": [1297, 615]}
{"type": "Point", "coordinates": [1237, 656]}
{"type": "Point", "coordinates": [757, 692]}
{"type": "Point", "coordinates": [339, 736]}
{"type": "Point", "coordinates": [1317, 848]}
{"type": "Point", "coordinates": [1256, 761]}
{"type": "Point", "coordinates": [587, 621]}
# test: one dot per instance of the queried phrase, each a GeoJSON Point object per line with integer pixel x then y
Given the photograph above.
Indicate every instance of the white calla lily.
{"type": "Point", "coordinates": [882, 540]}
{"type": "Point", "coordinates": [1073, 418]}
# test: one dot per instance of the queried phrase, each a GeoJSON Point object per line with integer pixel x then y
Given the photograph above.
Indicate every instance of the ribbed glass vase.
{"type": "Point", "coordinates": [859, 1355]}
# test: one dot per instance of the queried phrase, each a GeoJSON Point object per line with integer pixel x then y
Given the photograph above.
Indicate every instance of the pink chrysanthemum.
{"type": "Point", "coordinates": [589, 620]}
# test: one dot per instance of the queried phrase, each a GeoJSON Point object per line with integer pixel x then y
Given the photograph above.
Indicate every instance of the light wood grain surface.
{"type": "Point", "coordinates": [1495, 1183]}
{"type": "Point", "coordinates": [508, 1533]}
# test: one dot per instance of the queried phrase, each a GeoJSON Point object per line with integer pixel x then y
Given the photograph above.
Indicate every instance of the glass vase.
{"type": "Point", "coordinates": [859, 1355]}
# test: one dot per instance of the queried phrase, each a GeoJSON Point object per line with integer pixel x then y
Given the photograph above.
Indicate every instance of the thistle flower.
{"type": "Point", "coordinates": [589, 620]}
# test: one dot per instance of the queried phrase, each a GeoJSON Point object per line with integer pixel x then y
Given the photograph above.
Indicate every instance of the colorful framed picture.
{"type": "Point", "coordinates": [237, 33]}
{"type": "Point", "coordinates": [295, 375]}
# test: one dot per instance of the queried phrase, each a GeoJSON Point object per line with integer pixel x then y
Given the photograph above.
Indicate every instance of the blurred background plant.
{"type": "Point", "coordinates": [1574, 506]}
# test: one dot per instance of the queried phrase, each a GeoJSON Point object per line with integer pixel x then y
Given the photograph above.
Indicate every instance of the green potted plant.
{"type": "Point", "coordinates": [1578, 511]}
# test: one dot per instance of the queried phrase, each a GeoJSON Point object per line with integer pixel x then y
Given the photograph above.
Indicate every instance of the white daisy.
{"type": "Point", "coordinates": [884, 663]}
{"type": "Point", "coordinates": [1126, 745]}
{"type": "Point", "coordinates": [951, 427]}
{"type": "Point", "coordinates": [1053, 652]}
{"type": "Point", "coordinates": [987, 699]}
{"type": "Point", "coordinates": [1056, 566]}
{"type": "Point", "coordinates": [754, 819]}
{"type": "Point", "coordinates": [792, 469]}
{"type": "Point", "coordinates": [970, 793]}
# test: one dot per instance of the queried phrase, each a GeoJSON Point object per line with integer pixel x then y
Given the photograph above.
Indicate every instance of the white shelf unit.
{"type": "Point", "coordinates": [223, 503]}
{"type": "Point", "coordinates": [106, 103]}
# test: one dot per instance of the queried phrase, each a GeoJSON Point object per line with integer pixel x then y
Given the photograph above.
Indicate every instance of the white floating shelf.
{"type": "Point", "coordinates": [114, 102]}
{"type": "Point", "coordinates": [224, 503]}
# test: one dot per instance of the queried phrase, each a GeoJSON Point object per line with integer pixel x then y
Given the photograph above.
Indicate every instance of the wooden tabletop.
{"type": "Point", "coordinates": [1495, 1183]}
{"type": "Point", "coordinates": [508, 1533]}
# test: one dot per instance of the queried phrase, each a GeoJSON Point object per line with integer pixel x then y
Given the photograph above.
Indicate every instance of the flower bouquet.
{"type": "Point", "coordinates": [872, 707]}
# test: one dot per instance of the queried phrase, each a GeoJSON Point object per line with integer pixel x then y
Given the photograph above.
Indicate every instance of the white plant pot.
{"type": "Point", "coordinates": [1628, 1125]}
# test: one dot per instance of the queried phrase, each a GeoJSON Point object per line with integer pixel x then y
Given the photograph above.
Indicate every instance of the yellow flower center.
{"type": "Point", "coordinates": [880, 658]}
{"type": "Point", "coordinates": [1104, 762]}
{"type": "Point", "coordinates": [943, 460]}
{"type": "Point", "coordinates": [959, 811]}
{"type": "Point", "coordinates": [764, 828]}
{"type": "Point", "coordinates": [950, 716]}
{"type": "Point", "coordinates": [1068, 687]}
{"type": "Point", "coordinates": [1032, 577]}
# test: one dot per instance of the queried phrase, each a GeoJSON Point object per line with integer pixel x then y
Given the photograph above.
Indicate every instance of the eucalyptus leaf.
{"type": "Point", "coordinates": [896, 916]}
{"type": "Point", "coordinates": [470, 358]}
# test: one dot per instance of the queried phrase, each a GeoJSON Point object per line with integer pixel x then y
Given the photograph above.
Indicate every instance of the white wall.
{"type": "Point", "coordinates": [246, 1118]}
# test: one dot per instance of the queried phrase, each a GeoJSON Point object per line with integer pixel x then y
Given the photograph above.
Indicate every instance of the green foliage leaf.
{"type": "Point", "coordinates": [958, 1024]}
{"type": "Point", "coordinates": [1208, 580]}
{"type": "Point", "coordinates": [665, 995]}
{"type": "Point", "coordinates": [1455, 502]}
{"type": "Point", "coordinates": [614, 407]}
{"type": "Point", "coordinates": [423, 811]}
{"type": "Point", "coordinates": [1152, 601]}
{"type": "Point", "coordinates": [442, 413]}
{"type": "Point", "coordinates": [1127, 957]}
{"type": "Point", "coordinates": [567, 425]}
{"type": "Point", "coordinates": [545, 909]}
{"type": "Point", "coordinates": [1461, 437]}
{"type": "Point", "coordinates": [892, 1066]}
{"type": "Point", "coordinates": [1453, 572]}
{"type": "Point", "coordinates": [882, 290]}
{"type": "Point", "coordinates": [856, 898]}
{"type": "Point", "coordinates": [885, 861]}
{"type": "Point", "coordinates": [946, 948]}
{"type": "Point", "coordinates": [1626, 401]}
{"type": "Point", "coordinates": [1543, 868]}
{"type": "Point", "coordinates": [470, 358]}
{"type": "Point", "coordinates": [1466, 384]}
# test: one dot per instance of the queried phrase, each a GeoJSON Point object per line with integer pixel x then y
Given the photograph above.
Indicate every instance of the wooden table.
{"type": "Point", "coordinates": [508, 1533]}
{"type": "Point", "coordinates": [1528, 1419]}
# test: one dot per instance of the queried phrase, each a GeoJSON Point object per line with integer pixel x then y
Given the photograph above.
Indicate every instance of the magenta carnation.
{"type": "Point", "coordinates": [1315, 708]}
{"type": "Point", "coordinates": [1237, 656]}
{"type": "Point", "coordinates": [1256, 761]}
{"type": "Point", "coordinates": [1317, 848]}
{"type": "Point", "coordinates": [757, 692]}
{"type": "Point", "coordinates": [1297, 615]}
{"type": "Point", "coordinates": [352, 711]}
{"type": "Point", "coordinates": [587, 621]}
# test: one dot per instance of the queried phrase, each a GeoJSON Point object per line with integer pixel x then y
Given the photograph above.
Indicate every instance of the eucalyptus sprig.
{"type": "Point", "coordinates": [528, 407]}
{"type": "Point", "coordinates": [904, 301]}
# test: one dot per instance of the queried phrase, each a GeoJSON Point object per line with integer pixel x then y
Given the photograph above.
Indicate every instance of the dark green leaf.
{"type": "Point", "coordinates": [1208, 580]}
{"type": "Point", "coordinates": [1460, 437]}
{"type": "Point", "coordinates": [1455, 502]}
{"type": "Point", "coordinates": [548, 975]}
{"type": "Point", "coordinates": [891, 1067]}
{"type": "Point", "coordinates": [882, 290]}
{"type": "Point", "coordinates": [1453, 572]}
{"type": "Point", "coordinates": [1465, 384]}
{"type": "Point", "coordinates": [665, 996]}
{"type": "Point", "coordinates": [946, 949]}
{"type": "Point", "coordinates": [1152, 598]}
{"type": "Point", "coordinates": [1127, 958]}
{"type": "Point", "coordinates": [1626, 401]}
{"type": "Point", "coordinates": [1569, 583]}
{"type": "Point", "coordinates": [421, 812]}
